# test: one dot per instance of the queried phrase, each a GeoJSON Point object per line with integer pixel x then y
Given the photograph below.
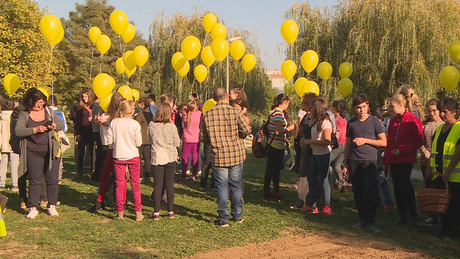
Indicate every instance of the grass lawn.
{"type": "Point", "coordinates": [78, 233]}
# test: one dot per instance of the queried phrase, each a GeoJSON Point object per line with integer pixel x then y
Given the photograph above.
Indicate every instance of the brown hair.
{"type": "Point", "coordinates": [319, 113]}
{"type": "Point", "coordinates": [241, 94]}
{"type": "Point", "coordinates": [115, 101]}
{"type": "Point", "coordinates": [192, 106]}
{"type": "Point", "coordinates": [339, 107]}
{"type": "Point", "coordinates": [91, 98]}
{"type": "Point", "coordinates": [163, 113]}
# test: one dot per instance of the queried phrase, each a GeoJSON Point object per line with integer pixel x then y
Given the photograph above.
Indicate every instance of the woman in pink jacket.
{"type": "Point", "coordinates": [405, 137]}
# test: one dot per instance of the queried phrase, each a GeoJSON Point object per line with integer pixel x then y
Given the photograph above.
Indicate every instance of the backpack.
{"type": "Point", "coordinates": [14, 140]}
{"type": "Point", "coordinates": [260, 141]}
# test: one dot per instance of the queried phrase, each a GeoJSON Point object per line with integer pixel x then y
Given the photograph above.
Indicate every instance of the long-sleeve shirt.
{"type": "Point", "coordinates": [405, 134]}
{"type": "Point", "coordinates": [225, 128]}
{"type": "Point", "coordinates": [126, 137]}
{"type": "Point", "coordinates": [165, 140]}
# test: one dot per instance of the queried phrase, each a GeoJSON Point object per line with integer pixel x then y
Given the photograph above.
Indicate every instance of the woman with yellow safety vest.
{"type": "Point", "coordinates": [445, 158]}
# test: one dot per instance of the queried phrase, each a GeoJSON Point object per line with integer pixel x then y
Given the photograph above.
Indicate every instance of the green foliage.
{"type": "Point", "coordinates": [389, 43]}
{"type": "Point", "coordinates": [165, 39]}
{"type": "Point", "coordinates": [23, 49]}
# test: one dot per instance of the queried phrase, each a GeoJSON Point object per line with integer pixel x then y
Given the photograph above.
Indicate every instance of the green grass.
{"type": "Point", "coordinates": [78, 233]}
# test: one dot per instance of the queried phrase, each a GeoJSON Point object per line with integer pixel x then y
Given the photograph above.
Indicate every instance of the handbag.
{"type": "Point", "coordinates": [432, 200]}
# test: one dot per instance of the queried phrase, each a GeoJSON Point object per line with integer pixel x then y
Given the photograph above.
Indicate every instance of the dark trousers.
{"type": "Point", "coordinates": [86, 137]}
{"type": "Point", "coordinates": [451, 220]}
{"type": "Point", "coordinates": [163, 177]}
{"type": "Point", "coordinates": [98, 157]}
{"type": "Point", "coordinates": [272, 170]}
{"type": "Point", "coordinates": [206, 167]}
{"type": "Point", "coordinates": [363, 175]}
{"type": "Point", "coordinates": [404, 191]}
{"type": "Point", "coordinates": [37, 165]}
{"type": "Point", "coordinates": [144, 152]}
{"type": "Point", "coordinates": [22, 185]}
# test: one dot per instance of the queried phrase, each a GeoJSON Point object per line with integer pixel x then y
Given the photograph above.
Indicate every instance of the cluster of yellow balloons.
{"type": "Point", "coordinates": [51, 28]}
{"type": "Point", "coordinates": [303, 86]}
{"type": "Point", "coordinates": [11, 83]}
{"type": "Point", "coordinates": [450, 76]}
{"type": "Point", "coordinates": [345, 84]}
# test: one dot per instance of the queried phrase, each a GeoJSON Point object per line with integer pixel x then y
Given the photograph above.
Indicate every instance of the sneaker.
{"type": "Point", "coordinates": [23, 205]}
{"type": "Point", "coordinates": [388, 207]}
{"type": "Point", "coordinates": [193, 178]}
{"type": "Point", "coordinates": [278, 197]}
{"type": "Point", "coordinates": [14, 189]}
{"type": "Point", "coordinates": [359, 224]}
{"type": "Point", "coordinates": [431, 221]}
{"type": "Point", "coordinates": [171, 214]}
{"type": "Point", "coordinates": [326, 210]}
{"type": "Point", "coordinates": [139, 216]}
{"type": "Point", "coordinates": [96, 208]}
{"type": "Point", "coordinates": [221, 224]}
{"type": "Point", "coordinates": [309, 209]}
{"type": "Point", "coordinates": [119, 216]}
{"type": "Point", "coordinates": [156, 216]}
{"type": "Point", "coordinates": [373, 228]}
{"type": "Point", "coordinates": [239, 220]}
{"type": "Point", "coordinates": [52, 211]}
{"type": "Point", "coordinates": [32, 214]}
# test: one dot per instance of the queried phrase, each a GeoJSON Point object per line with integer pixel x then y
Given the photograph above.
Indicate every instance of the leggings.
{"type": "Point", "coordinates": [163, 176]}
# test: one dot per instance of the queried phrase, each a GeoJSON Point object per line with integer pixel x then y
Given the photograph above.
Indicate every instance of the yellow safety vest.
{"type": "Point", "coordinates": [449, 151]}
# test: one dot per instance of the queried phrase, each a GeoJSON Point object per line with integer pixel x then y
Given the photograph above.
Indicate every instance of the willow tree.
{"type": "Point", "coordinates": [166, 35]}
{"type": "Point", "coordinates": [389, 43]}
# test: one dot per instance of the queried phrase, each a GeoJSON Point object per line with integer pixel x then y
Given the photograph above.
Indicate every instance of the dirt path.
{"type": "Point", "coordinates": [313, 246]}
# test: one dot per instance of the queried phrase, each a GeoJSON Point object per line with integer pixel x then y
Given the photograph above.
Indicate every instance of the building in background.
{"type": "Point", "coordinates": [277, 79]}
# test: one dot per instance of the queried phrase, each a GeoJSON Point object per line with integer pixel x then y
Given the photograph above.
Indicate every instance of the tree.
{"type": "Point", "coordinates": [25, 51]}
{"type": "Point", "coordinates": [165, 39]}
{"type": "Point", "coordinates": [389, 43]}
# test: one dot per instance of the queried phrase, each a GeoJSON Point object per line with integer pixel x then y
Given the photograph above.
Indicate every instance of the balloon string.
{"type": "Point", "coordinates": [122, 48]}
{"type": "Point", "coordinates": [100, 65]}
{"type": "Point", "coordinates": [91, 67]}
{"type": "Point", "coordinates": [139, 81]}
{"type": "Point", "coordinates": [51, 58]}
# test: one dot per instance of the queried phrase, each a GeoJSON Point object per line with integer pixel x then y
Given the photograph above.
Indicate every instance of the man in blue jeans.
{"type": "Point", "coordinates": [224, 129]}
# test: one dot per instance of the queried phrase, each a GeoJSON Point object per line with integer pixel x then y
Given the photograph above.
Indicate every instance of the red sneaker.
{"type": "Point", "coordinates": [278, 196]}
{"type": "Point", "coordinates": [309, 209]}
{"type": "Point", "coordinates": [326, 210]}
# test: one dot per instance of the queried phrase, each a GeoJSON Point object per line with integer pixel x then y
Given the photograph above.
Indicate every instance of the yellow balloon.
{"type": "Point", "coordinates": [190, 47]}
{"type": "Point", "coordinates": [136, 94]}
{"type": "Point", "coordinates": [449, 77]}
{"type": "Point", "coordinates": [345, 70]}
{"type": "Point", "coordinates": [309, 60]}
{"type": "Point", "coordinates": [208, 105]}
{"type": "Point", "coordinates": [103, 84]}
{"type": "Point", "coordinates": [209, 20]}
{"type": "Point", "coordinates": [184, 70]}
{"type": "Point", "coordinates": [325, 70]}
{"type": "Point", "coordinates": [141, 54]}
{"type": "Point", "coordinates": [345, 87]}
{"type": "Point", "coordinates": [298, 86]}
{"type": "Point", "coordinates": [129, 33]}
{"type": "Point", "coordinates": [94, 33]}
{"type": "Point", "coordinates": [131, 72]}
{"type": "Point", "coordinates": [219, 48]}
{"type": "Point", "coordinates": [50, 27]}
{"type": "Point", "coordinates": [200, 72]}
{"type": "Point", "coordinates": [289, 88]}
{"type": "Point", "coordinates": [289, 31]}
{"type": "Point", "coordinates": [11, 84]}
{"type": "Point", "coordinates": [104, 103]}
{"type": "Point", "coordinates": [218, 31]}
{"type": "Point", "coordinates": [119, 66]}
{"type": "Point", "coordinates": [126, 92]}
{"type": "Point", "coordinates": [59, 38]}
{"type": "Point", "coordinates": [103, 44]}
{"type": "Point", "coordinates": [118, 21]}
{"type": "Point", "coordinates": [129, 60]}
{"type": "Point", "coordinates": [454, 50]}
{"type": "Point", "coordinates": [288, 69]}
{"type": "Point", "coordinates": [44, 91]}
{"type": "Point", "coordinates": [310, 87]}
{"type": "Point", "coordinates": [207, 57]}
{"type": "Point", "coordinates": [178, 61]}
{"type": "Point", "coordinates": [249, 62]}
{"type": "Point", "coordinates": [237, 49]}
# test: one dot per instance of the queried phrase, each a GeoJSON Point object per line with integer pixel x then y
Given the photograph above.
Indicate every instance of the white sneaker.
{"type": "Point", "coordinates": [33, 213]}
{"type": "Point", "coordinates": [52, 211]}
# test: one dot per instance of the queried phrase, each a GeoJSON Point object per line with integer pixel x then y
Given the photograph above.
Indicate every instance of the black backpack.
{"type": "Point", "coordinates": [260, 142]}
{"type": "Point", "coordinates": [14, 140]}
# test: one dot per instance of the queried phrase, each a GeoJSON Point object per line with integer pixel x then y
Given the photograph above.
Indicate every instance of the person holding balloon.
{"type": "Point", "coordinates": [278, 128]}
{"type": "Point", "coordinates": [40, 152]}
{"type": "Point", "coordinates": [84, 127]}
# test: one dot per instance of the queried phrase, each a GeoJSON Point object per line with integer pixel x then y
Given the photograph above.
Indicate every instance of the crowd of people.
{"type": "Point", "coordinates": [363, 152]}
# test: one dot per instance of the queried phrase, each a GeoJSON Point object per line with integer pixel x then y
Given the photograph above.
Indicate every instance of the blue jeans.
{"type": "Point", "coordinates": [385, 187]}
{"type": "Point", "coordinates": [224, 178]}
{"type": "Point", "coordinates": [319, 165]}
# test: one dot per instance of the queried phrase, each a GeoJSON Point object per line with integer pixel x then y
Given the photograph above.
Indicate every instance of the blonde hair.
{"type": "Point", "coordinates": [399, 99]}
{"type": "Point", "coordinates": [192, 106]}
{"type": "Point", "coordinates": [126, 108]}
{"type": "Point", "coordinates": [412, 100]}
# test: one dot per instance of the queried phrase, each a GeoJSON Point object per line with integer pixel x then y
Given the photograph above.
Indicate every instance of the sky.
{"type": "Point", "coordinates": [262, 18]}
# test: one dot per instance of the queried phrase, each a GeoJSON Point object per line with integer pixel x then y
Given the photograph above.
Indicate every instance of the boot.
{"type": "Point", "coordinates": [139, 216]}
{"type": "Point", "coordinates": [119, 216]}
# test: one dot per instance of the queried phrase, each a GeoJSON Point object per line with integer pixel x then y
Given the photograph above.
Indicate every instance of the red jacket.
{"type": "Point", "coordinates": [404, 133]}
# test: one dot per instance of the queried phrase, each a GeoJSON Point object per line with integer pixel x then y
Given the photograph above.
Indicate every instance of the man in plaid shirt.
{"type": "Point", "coordinates": [224, 129]}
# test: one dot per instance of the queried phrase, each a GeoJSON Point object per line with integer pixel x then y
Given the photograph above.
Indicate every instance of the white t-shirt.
{"type": "Point", "coordinates": [104, 131]}
{"type": "Point", "coordinates": [318, 135]}
{"type": "Point", "coordinates": [126, 136]}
